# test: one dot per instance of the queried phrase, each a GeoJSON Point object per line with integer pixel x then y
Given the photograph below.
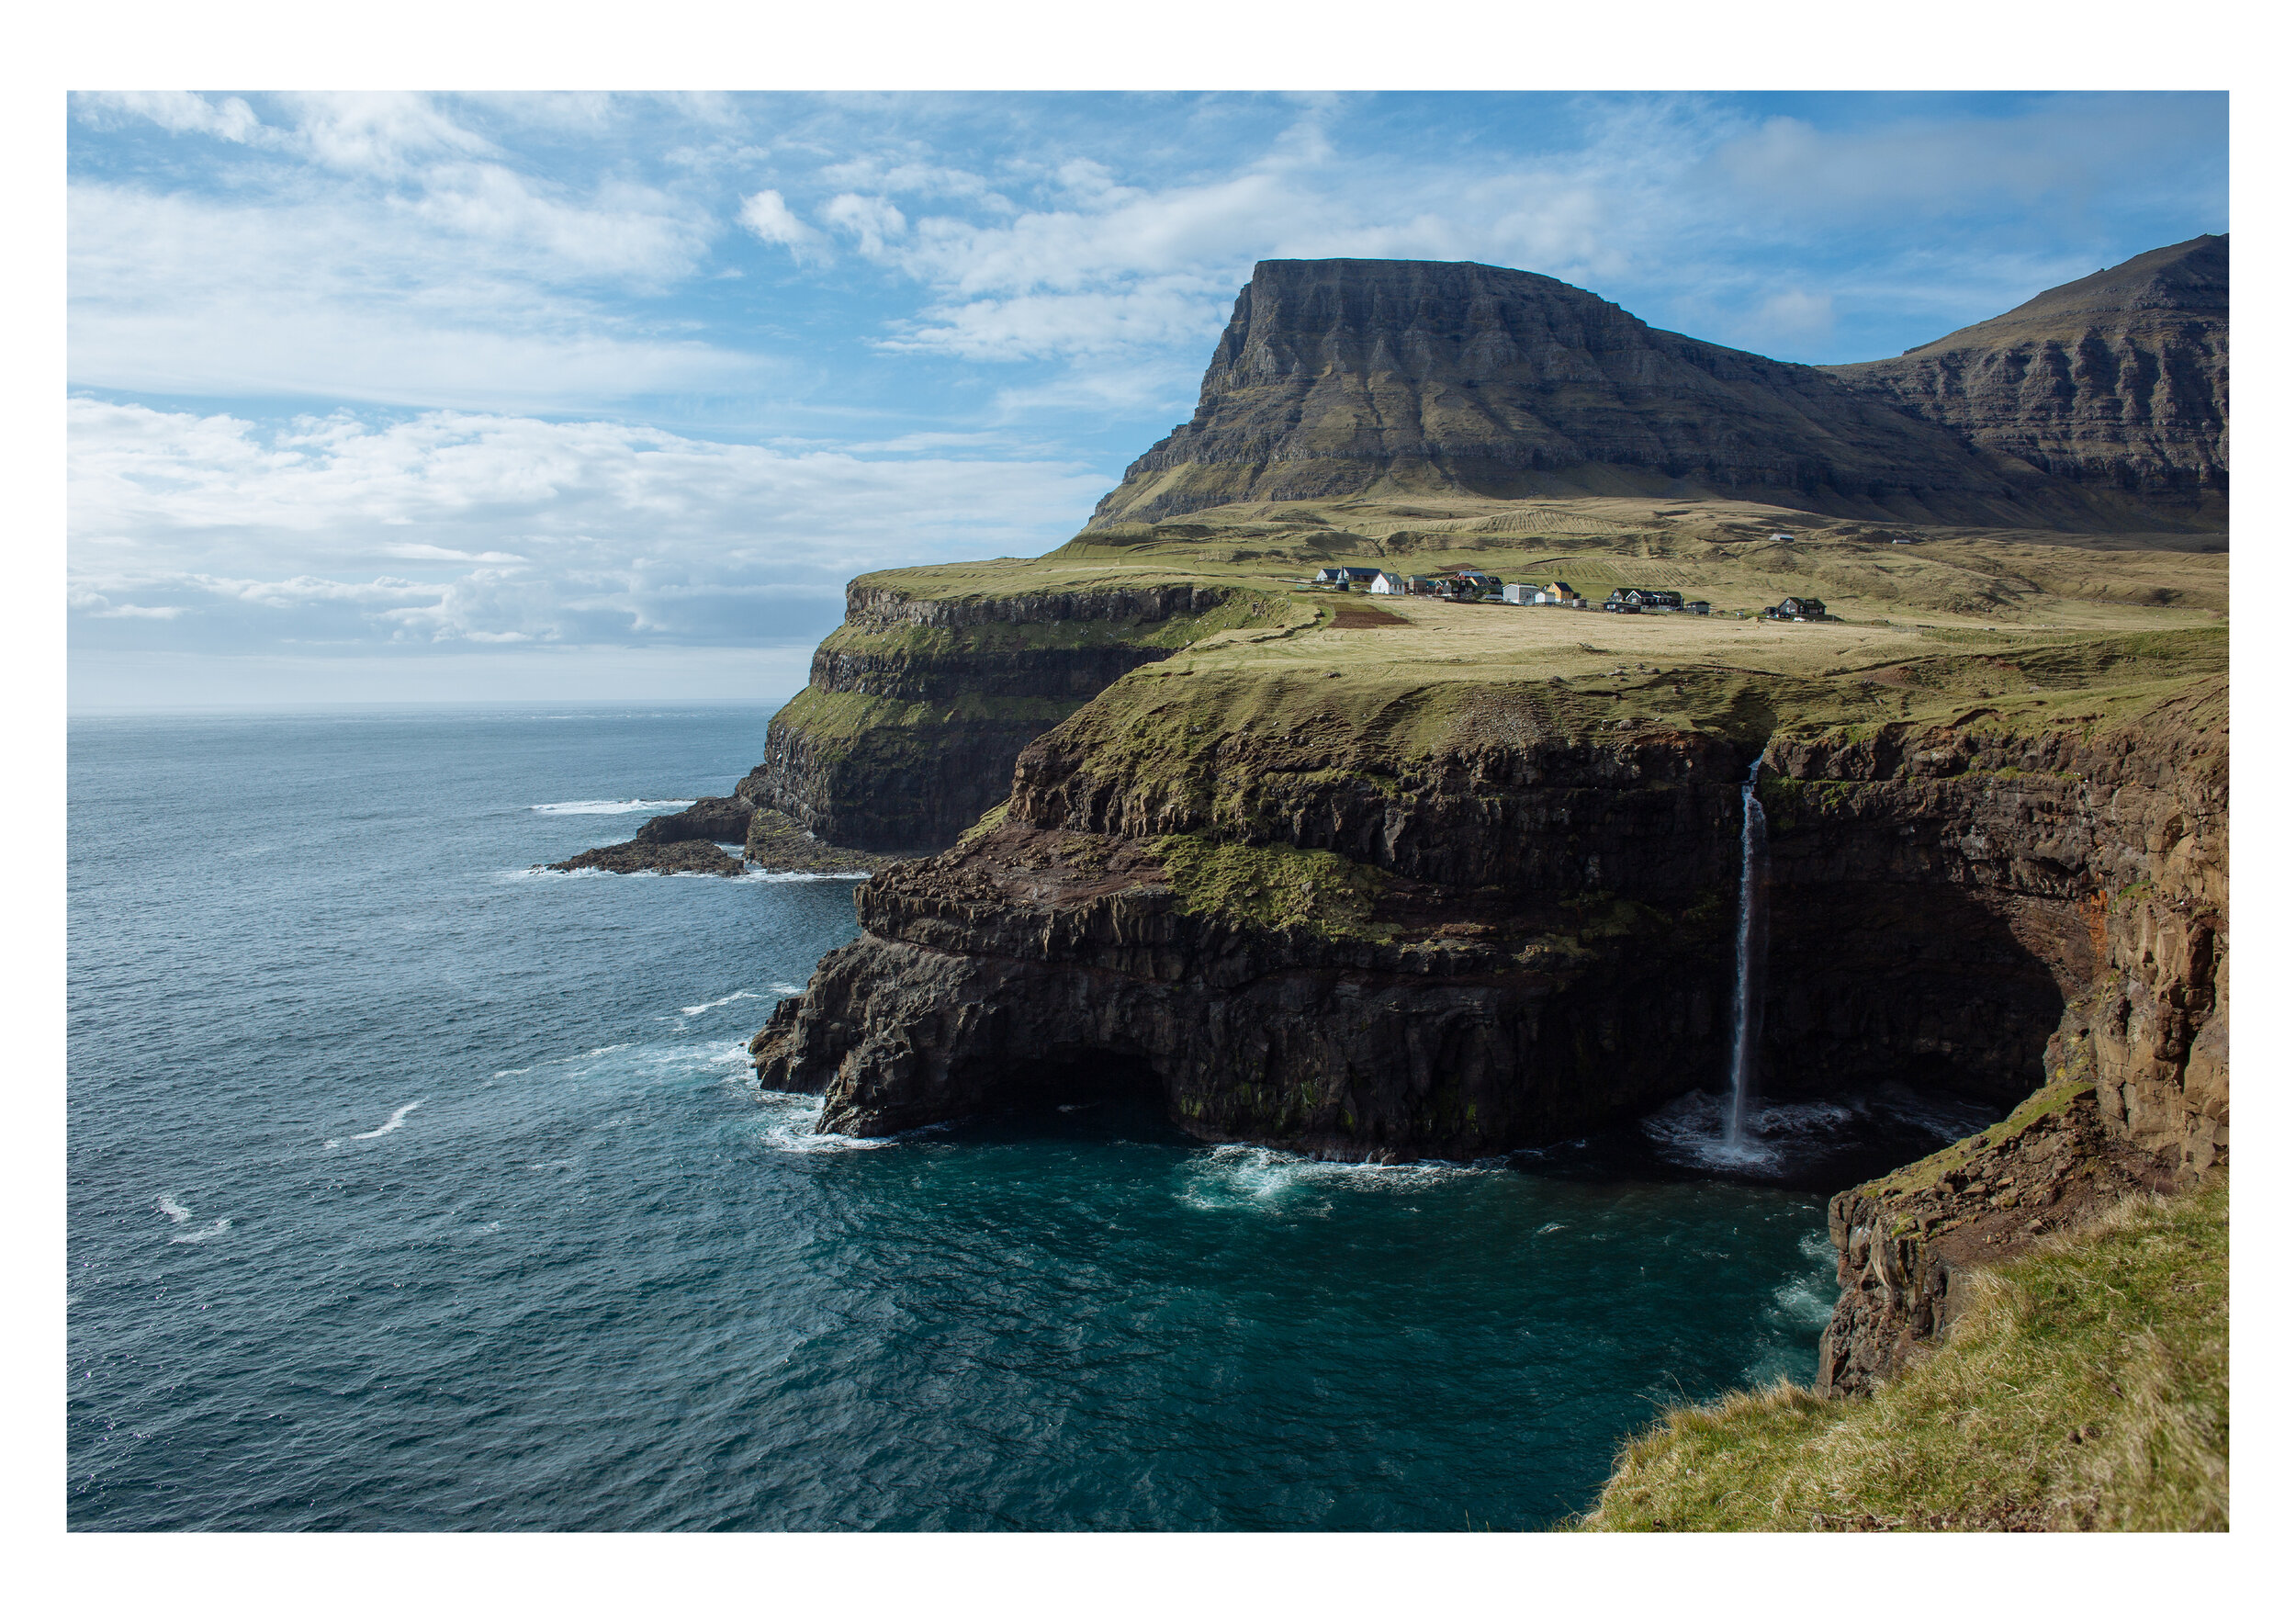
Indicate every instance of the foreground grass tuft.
{"type": "Point", "coordinates": [2085, 1387]}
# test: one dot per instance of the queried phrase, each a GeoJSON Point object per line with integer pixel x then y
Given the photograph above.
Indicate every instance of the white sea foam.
{"type": "Point", "coordinates": [516, 876]}
{"type": "Point", "coordinates": [600, 808]}
{"type": "Point", "coordinates": [221, 1225]}
{"type": "Point", "coordinates": [783, 989]}
{"type": "Point", "coordinates": [1806, 1303]}
{"type": "Point", "coordinates": [789, 1127]}
{"type": "Point", "coordinates": [397, 1120]}
{"type": "Point", "coordinates": [762, 876]}
{"type": "Point", "coordinates": [521, 1071]}
{"type": "Point", "coordinates": [1694, 1131]}
{"type": "Point", "coordinates": [1241, 1177]}
{"type": "Point", "coordinates": [1552, 1228]}
{"type": "Point", "coordinates": [175, 1211]}
{"type": "Point", "coordinates": [720, 1003]}
{"type": "Point", "coordinates": [332, 1144]}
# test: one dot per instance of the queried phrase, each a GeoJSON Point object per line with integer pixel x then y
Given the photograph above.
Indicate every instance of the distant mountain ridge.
{"type": "Point", "coordinates": [2121, 379]}
{"type": "Point", "coordinates": [1355, 376]}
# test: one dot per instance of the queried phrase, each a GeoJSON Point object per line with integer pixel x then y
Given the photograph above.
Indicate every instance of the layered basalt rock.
{"type": "Point", "coordinates": [1342, 377]}
{"type": "Point", "coordinates": [907, 731]}
{"type": "Point", "coordinates": [1513, 943]}
{"type": "Point", "coordinates": [2115, 847]}
{"type": "Point", "coordinates": [1342, 1007]}
{"type": "Point", "coordinates": [2121, 380]}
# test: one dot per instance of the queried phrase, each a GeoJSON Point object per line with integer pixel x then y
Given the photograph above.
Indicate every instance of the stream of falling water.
{"type": "Point", "coordinates": [1754, 951]}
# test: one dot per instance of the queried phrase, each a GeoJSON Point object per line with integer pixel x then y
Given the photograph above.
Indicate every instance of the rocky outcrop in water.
{"type": "Point", "coordinates": [689, 841]}
{"type": "Point", "coordinates": [2121, 380]}
{"type": "Point", "coordinates": [723, 819]}
{"type": "Point", "coordinates": [645, 856]}
{"type": "Point", "coordinates": [1343, 378]}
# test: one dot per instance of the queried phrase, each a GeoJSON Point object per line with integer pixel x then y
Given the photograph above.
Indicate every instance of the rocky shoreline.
{"type": "Point", "coordinates": [692, 842]}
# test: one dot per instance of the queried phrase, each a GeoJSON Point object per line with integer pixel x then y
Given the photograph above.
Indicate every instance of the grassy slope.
{"type": "Point", "coordinates": [1967, 615]}
{"type": "Point", "coordinates": [2086, 1386]}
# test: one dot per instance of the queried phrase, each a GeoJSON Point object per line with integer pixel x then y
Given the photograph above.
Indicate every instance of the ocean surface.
{"type": "Point", "coordinates": [410, 1188]}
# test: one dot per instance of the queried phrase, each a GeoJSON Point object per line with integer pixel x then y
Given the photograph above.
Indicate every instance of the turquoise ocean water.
{"type": "Point", "coordinates": [410, 1190]}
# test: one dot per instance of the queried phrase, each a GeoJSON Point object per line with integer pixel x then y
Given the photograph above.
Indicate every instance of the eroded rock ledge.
{"type": "Point", "coordinates": [1307, 935]}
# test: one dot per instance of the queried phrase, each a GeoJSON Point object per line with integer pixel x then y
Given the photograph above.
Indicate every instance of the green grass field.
{"type": "Point", "coordinates": [2087, 1386]}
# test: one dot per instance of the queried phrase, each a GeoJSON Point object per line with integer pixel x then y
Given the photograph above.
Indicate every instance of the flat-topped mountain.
{"type": "Point", "coordinates": [2121, 379]}
{"type": "Point", "coordinates": [1352, 376]}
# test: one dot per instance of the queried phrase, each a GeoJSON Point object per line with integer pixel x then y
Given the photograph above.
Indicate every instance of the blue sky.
{"type": "Point", "coordinates": [583, 397]}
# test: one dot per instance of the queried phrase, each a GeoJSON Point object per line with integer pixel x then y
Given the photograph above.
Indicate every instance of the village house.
{"type": "Point", "coordinates": [1781, 535]}
{"type": "Point", "coordinates": [1645, 598]}
{"type": "Point", "coordinates": [1697, 606]}
{"type": "Point", "coordinates": [1467, 586]}
{"type": "Point", "coordinates": [1387, 585]}
{"type": "Point", "coordinates": [1555, 592]}
{"type": "Point", "coordinates": [1798, 608]}
{"type": "Point", "coordinates": [1347, 576]}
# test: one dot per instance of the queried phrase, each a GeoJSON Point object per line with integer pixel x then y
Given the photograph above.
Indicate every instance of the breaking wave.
{"type": "Point", "coordinates": [1235, 1177]}
{"type": "Point", "coordinates": [599, 808]}
{"type": "Point", "coordinates": [397, 1120]}
{"type": "Point", "coordinates": [720, 1003]}
{"type": "Point", "coordinates": [789, 1126]}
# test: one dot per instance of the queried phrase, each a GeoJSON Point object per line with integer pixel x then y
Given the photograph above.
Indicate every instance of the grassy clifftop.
{"type": "Point", "coordinates": [2087, 1386]}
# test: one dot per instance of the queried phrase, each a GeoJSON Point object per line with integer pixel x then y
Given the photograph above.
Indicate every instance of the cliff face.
{"type": "Point", "coordinates": [2120, 381]}
{"type": "Point", "coordinates": [1343, 377]}
{"type": "Point", "coordinates": [2118, 850]}
{"type": "Point", "coordinates": [917, 705]}
{"type": "Point", "coordinates": [1101, 940]}
{"type": "Point", "coordinates": [1320, 934]}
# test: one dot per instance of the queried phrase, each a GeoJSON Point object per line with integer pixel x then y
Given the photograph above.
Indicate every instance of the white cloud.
{"type": "Point", "coordinates": [872, 223]}
{"type": "Point", "coordinates": [1792, 319]}
{"type": "Point", "coordinates": [459, 297]}
{"type": "Point", "coordinates": [1163, 312]}
{"type": "Point", "coordinates": [178, 111]}
{"type": "Point", "coordinates": [768, 218]}
{"type": "Point", "coordinates": [1958, 161]}
{"type": "Point", "coordinates": [381, 133]}
{"type": "Point", "coordinates": [453, 527]}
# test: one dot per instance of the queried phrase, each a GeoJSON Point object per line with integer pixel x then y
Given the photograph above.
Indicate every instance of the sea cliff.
{"type": "Point", "coordinates": [915, 706]}
{"type": "Point", "coordinates": [1433, 880]}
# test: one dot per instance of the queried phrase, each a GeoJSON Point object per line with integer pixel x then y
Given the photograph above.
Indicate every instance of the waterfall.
{"type": "Point", "coordinates": [1754, 951]}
